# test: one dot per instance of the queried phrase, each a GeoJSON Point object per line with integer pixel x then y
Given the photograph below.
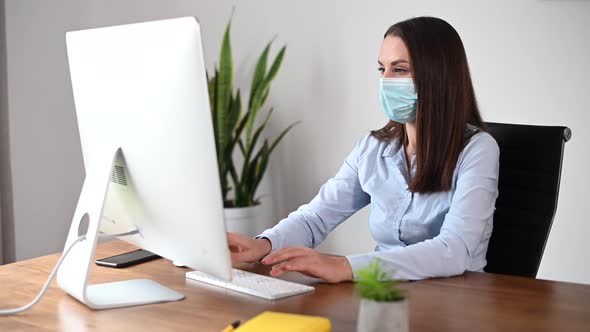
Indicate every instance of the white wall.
{"type": "Point", "coordinates": [528, 60]}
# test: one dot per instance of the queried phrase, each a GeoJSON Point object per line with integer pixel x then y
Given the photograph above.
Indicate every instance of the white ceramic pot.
{"type": "Point", "coordinates": [249, 221]}
{"type": "Point", "coordinates": [383, 316]}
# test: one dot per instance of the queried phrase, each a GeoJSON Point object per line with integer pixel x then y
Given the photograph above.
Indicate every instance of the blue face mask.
{"type": "Point", "coordinates": [398, 99]}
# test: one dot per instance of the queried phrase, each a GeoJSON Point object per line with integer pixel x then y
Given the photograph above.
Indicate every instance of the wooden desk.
{"type": "Point", "coordinates": [471, 302]}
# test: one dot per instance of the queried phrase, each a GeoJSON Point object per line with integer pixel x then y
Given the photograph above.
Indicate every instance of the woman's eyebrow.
{"type": "Point", "coordinates": [393, 63]}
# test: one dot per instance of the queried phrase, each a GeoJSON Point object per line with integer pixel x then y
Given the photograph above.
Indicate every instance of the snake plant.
{"type": "Point", "coordinates": [376, 285]}
{"type": "Point", "coordinates": [235, 127]}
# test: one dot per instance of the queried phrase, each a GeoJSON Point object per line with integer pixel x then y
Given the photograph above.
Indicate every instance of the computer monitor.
{"type": "Point", "coordinates": [143, 111]}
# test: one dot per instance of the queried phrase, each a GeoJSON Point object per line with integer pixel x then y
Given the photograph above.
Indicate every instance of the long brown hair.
{"type": "Point", "coordinates": [446, 101]}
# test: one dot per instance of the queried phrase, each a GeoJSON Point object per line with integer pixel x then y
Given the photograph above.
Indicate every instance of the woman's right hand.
{"type": "Point", "coordinates": [246, 249]}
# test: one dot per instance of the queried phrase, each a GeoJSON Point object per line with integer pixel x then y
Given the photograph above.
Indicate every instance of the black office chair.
{"type": "Point", "coordinates": [530, 170]}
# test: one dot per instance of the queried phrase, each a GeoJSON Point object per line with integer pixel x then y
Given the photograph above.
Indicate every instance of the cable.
{"type": "Point", "coordinates": [13, 311]}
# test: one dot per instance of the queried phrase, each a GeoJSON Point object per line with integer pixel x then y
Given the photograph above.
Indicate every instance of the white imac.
{"type": "Point", "coordinates": [143, 111]}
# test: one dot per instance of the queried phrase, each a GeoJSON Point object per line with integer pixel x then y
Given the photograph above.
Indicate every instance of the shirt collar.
{"type": "Point", "coordinates": [392, 148]}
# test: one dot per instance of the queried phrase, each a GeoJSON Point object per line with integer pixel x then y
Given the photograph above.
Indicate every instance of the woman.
{"type": "Point", "coordinates": [430, 174]}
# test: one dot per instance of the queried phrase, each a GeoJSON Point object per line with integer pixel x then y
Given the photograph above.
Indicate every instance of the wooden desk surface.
{"type": "Point", "coordinates": [471, 302]}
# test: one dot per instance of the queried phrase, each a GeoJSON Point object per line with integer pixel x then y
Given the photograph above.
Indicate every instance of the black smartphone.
{"type": "Point", "coordinates": [127, 259]}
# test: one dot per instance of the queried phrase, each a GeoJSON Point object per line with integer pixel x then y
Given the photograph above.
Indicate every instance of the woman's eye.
{"type": "Point", "coordinates": [399, 70]}
{"type": "Point", "coordinates": [381, 70]}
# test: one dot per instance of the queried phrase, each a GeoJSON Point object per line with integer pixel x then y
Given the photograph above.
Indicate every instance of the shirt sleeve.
{"type": "Point", "coordinates": [339, 198]}
{"type": "Point", "coordinates": [462, 232]}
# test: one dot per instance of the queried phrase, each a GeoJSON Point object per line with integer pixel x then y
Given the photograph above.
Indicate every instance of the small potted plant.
{"type": "Point", "coordinates": [383, 305]}
{"type": "Point", "coordinates": [240, 128]}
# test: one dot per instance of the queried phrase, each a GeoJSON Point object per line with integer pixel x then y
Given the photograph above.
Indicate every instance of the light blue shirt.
{"type": "Point", "coordinates": [418, 235]}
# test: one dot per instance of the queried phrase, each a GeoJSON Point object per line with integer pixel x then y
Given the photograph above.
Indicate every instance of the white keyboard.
{"type": "Point", "coordinates": [254, 284]}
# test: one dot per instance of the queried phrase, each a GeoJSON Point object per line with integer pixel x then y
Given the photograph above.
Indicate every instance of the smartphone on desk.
{"type": "Point", "coordinates": [127, 259]}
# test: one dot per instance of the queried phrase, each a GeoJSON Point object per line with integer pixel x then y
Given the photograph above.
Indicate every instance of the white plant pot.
{"type": "Point", "coordinates": [249, 221]}
{"type": "Point", "coordinates": [383, 316]}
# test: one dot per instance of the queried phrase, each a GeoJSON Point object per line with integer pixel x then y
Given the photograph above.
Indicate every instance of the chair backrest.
{"type": "Point", "coordinates": [530, 171]}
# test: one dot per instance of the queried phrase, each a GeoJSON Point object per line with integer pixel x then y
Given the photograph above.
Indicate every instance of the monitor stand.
{"type": "Point", "coordinates": [73, 274]}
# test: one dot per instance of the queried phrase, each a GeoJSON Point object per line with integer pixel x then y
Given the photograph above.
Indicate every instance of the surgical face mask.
{"type": "Point", "coordinates": [398, 99]}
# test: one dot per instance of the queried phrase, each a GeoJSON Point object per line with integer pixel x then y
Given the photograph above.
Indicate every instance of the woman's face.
{"type": "Point", "coordinates": [394, 60]}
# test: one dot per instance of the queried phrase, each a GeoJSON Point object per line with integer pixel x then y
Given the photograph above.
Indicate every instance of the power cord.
{"type": "Point", "coordinates": [13, 311]}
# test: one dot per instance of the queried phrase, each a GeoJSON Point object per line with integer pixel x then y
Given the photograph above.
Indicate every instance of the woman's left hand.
{"type": "Point", "coordinates": [331, 268]}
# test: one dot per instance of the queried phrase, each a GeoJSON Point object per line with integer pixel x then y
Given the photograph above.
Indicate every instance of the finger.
{"type": "Point", "coordinates": [238, 243]}
{"type": "Point", "coordinates": [240, 257]}
{"type": "Point", "coordinates": [235, 248]}
{"type": "Point", "coordinates": [300, 264]}
{"type": "Point", "coordinates": [237, 257]}
{"type": "Point", "coordinates": [285, 254]}
{"type": "Point", "coordinates": [279, 269]}
{"type": "Point", "coordinates": [238, 250]}
{"type": "Point", "coordinates": [235, 238]}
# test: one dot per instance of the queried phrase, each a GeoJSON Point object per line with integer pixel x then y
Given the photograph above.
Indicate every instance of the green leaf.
{"type": "Point", "coordinates": [268, 114]}
{"type": "Point", "coordinates": [224, 92]}
{"type": "Point", "coordinates": [236, 180]}
{"type": "Point", "coordinates": [274, 69]}
{"type": "Point", "coordinates": [249, 150]}
{"type": "Point", "coordinates": [212, 98]}
{"type": "Point", "coordinates": [211, 81]}
{"type": "Point", "coordinates": [242, 148]}
{"type": "Point", "coordinates": [259, 73]}
{"type": "Point", "coordinates": [253, 167]}
{"type": "Point", "coordinates": [237, 135]}
{"type": "Point", "coordinates": [260, 168]}
{"type": "Point", "coordinates": [259, 161]}
{"type": "Point", "coordinates": [260, 91]}
{"type": "Point", "coordinates": [280, 137]}
{"type": "Point", "coordinates": [254, 109]}
{"type": "Point", "coordinates": [264, 97]}
{"type": "Point", "coordinates": [236, 111]}
{"type": "Point", "coordinates": [374, 284]}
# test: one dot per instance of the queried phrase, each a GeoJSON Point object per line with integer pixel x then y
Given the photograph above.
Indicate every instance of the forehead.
{"type": "Point", "coordinates": [393, 48]}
